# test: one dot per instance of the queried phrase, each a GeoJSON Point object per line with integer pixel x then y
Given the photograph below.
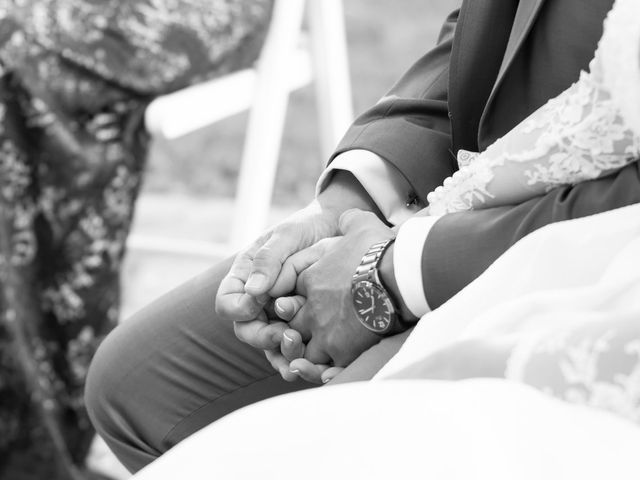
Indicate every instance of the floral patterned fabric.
{"type": "Point", "coordinates": [75, 78]}
{"type": "Point", "coordinates": [596, 365]}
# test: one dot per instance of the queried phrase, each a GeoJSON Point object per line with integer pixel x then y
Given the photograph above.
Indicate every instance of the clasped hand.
{"type": "Point", "coordinates": [289, 292]}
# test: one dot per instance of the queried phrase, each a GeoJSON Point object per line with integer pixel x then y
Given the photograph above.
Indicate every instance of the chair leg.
{"type": "Point", "coordinates": [331, 71]}
{"type": "Point", "coordinates": [266, 121]}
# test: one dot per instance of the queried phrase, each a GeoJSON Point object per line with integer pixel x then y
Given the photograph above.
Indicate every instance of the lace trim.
{"type": "Point", "coordinates": [583, 134]}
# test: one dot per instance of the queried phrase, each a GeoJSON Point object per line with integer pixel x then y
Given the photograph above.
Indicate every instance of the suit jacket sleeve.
{"type": "Point", "coordinates": [460, 246]}
{"type": "Point", "coordinates": [410, 126]}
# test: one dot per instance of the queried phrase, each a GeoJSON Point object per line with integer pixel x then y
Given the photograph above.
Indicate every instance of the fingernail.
{"type": "Point", "coordinates": [255, 281]}
{"type": "Point", "coordinates": [279, 308]}
{"type": "Point", "coordinates": [287, 338]}
{"type": "Point", "coordinates": [326, 380]}
{"type": "Point", "coordinates": [296, 371]}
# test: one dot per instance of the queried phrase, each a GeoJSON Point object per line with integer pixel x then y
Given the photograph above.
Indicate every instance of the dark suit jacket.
{"type": "Point", "coordinates": [496, 62]}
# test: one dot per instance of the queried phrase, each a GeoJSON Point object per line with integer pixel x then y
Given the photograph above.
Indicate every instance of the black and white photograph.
{"type": "Point", "coordinates": [319, 239]}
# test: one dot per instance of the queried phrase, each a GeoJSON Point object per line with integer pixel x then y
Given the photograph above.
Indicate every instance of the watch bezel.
{"type": "Point", "coordinates": [369, 285]}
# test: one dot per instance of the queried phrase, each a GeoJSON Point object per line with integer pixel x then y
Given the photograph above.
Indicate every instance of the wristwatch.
{"type": "Point", "coordinates": [371, 301]}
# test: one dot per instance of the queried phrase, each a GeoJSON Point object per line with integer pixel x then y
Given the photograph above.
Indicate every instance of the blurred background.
{"type": "Point", "coordinates": [191, 181]}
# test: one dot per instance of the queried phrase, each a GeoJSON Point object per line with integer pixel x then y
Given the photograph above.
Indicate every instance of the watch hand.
{"type": "Point", "coordinates": [367, 310]}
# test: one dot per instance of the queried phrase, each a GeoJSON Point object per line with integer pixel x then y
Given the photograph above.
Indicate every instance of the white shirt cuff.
{"type": "Point", "coordinates": [407, 262]}
{"type": "Point", "coordinates": [384, 183]}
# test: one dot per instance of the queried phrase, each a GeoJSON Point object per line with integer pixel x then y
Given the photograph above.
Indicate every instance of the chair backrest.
{"type": "Point", "coordinates": [282, 67]}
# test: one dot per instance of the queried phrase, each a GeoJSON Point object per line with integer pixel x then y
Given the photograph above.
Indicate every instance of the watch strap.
{"type": "Point", "coordinates": [367, 271]}
{"type": "Point", "coordinates": [368, 268]}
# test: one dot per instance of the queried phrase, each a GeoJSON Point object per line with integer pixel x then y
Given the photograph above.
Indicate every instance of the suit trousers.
{"type": "Point", "coordinates": [174, 368]}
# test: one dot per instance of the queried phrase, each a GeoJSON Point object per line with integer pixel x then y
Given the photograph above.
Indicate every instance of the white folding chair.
{"type": "Point", "coordinates": [282, 67]}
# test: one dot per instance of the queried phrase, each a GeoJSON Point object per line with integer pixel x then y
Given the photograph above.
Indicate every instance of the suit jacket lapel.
{"type": "Point", "coordinates": [482, 33]}
{"type": "Point", "coordinates": [523, 21]}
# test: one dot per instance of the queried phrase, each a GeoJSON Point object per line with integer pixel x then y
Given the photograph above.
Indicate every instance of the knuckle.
{"type": "Point", "coordinates": [248, 332]}
{"type": "Point", "coordinates": [295, 234]}
{"type": "Point", "coordinates": [286, 229]}
{"type": "Point", "coordinates": [223, 308]}
{"type": "Point", "coordinates": [256, 244]}
{"type": "Point", "coordinates": [228, 310]}
{"type": "Point", "coordinates": [245, 254]}
{"type": "Point", "coordinates": [265, 258]}
{"type": "Point", "coordinates": [263, 254]}
{"type": "Point", "coordinates": [239, 330]}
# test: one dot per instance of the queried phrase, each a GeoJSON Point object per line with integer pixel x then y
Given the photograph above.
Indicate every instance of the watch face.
{"type": "Point", "coordinates": [372, 306]}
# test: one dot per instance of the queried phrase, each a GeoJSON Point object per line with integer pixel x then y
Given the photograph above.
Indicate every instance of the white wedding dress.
{"type": "Point", "coordinates": [556, 319]}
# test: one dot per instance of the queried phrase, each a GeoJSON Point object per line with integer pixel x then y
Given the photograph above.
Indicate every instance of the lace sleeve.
{"type": "Point", "coordinates": [580, 135]}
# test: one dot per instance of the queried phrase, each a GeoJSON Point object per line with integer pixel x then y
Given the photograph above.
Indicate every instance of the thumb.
{"type": "Point", "coordinates": [355, 219]}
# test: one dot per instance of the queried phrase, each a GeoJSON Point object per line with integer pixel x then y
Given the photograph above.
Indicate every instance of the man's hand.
{"type": "Point", "coordinates": [327, 320]}
{"type": "Point", "coordinates": [243, 293]}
